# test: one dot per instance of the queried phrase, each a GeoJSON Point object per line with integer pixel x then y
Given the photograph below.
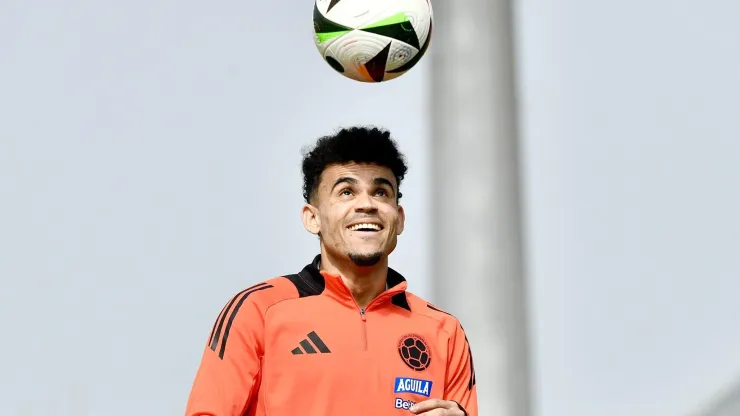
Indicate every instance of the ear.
{"type": "Point", "coordinates": [311, 220]}
{"type": "Point", "coordinates": [401, 220]}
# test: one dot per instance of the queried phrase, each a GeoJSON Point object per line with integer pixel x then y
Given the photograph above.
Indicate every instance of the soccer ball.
{"type": "Point", "coordinates": [414, 352]}
{"type": "Point", "coordinates": [372, 40]}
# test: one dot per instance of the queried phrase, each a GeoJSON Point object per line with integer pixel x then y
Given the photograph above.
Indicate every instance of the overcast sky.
{"type": "Point", "coordinates": [149, 168]}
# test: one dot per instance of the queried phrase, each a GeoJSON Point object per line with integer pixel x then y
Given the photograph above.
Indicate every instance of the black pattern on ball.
{"type": "Point", "coordinates": [415, 352]}
{"type": "Point", "coordinates": [334, 64]}
{"type": "Point", "coordinates": [411, 63]}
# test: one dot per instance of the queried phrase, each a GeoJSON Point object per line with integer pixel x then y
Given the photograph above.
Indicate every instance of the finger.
{"type": "Point", "coordinates": [430, 404]}
{"type": "Point", "coordinates": [443, 411]}
{"type": "Point", "coordinates": [439, 411]}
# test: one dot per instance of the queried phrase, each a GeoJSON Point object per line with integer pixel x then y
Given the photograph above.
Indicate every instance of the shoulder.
{"type": "Point", "coordinates": [244, 313]}
{"type": "Point", "coordinates": [254, 301]}
{"type": "Point", "coordinates": [261, 296]}
{"type": "Point", "coordinates": [447, 321]}
{"type": "Point", "coordinates": [245, 310]}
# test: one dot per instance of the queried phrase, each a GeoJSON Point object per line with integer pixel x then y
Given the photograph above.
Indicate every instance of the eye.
{"type": "Point", "coordinates": [345, 192]}
{"type": "Point", "coordinates": [384, 192]}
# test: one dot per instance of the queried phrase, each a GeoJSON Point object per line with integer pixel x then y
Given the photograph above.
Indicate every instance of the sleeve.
{"type": "Point", "coordinates": [228, 377]}
{"type": "Point", "coordinates": [460, 384]}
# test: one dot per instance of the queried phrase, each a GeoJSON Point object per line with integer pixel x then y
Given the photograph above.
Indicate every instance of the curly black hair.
{"type": "Point", "coordinates": [356, 144]}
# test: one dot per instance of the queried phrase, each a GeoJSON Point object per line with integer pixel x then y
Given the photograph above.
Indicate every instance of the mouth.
{"type": "Point", "coordinates": [366, 227]}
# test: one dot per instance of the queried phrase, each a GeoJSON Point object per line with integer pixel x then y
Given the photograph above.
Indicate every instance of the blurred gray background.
{"type": "Point", "coordinates": [149, 168]}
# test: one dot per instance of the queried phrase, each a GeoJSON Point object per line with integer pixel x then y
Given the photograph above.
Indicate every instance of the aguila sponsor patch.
{"type": "Point", "coordinates": [413, 385]}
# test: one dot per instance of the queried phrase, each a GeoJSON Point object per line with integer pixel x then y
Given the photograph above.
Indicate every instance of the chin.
{"type": "Point", "coordinates": [366, 259]}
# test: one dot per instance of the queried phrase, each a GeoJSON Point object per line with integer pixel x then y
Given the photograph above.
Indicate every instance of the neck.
{"type": "Point", "coordinates": [364, 283]}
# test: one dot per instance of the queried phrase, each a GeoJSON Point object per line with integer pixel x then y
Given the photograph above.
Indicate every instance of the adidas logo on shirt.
{"type": "Point", "coordinates": [310, 348]}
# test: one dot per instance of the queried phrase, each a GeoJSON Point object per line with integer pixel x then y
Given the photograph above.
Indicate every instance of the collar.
{"type": "Point", "coordinates": [315, 281]}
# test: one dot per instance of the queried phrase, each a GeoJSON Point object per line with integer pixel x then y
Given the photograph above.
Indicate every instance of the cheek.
{"type": "Point", "coordinates": [394, 219]}
{"type": "Point", "coordinates": [331, 222]}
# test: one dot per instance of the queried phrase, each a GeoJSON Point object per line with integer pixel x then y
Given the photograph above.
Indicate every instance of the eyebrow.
{"type": "Point", "coordinates": [353, 181]}
{"type": "Point", "coordinates": [344, 179]}
{"type": "Point", "coordinates": [383, 181]}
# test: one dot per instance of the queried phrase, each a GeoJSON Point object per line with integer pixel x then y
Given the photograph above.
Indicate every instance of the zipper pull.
{"type": "Point", "coordinates": [362, 313]}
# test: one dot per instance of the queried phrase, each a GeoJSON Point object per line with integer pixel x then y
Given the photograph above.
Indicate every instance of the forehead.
{"type": "Point", "coordinates": [362, 172]}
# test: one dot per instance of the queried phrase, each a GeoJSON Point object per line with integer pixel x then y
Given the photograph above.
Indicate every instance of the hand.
{"type": "Point", "coordinates": [437, 407]}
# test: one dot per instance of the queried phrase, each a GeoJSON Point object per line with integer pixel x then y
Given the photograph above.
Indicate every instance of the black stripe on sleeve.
{"type": "Point", "coordinates": [217, 329]}
{"type": "Point", "coordinates": [215, 323]}
{"type": "Point", "coordinates": [472, 380]}
{"type": "Point", "coordinates": [233, 316]}
{"type": "Point", "coordinates": [471, 383]}
{"type": "Point", "coordinates": [430, 306]}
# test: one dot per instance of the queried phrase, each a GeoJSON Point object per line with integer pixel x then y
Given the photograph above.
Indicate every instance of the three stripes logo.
{"type": "Point", "coordinates": [222, 326]}
{"type": "Point", "coordinates": [309, 348]}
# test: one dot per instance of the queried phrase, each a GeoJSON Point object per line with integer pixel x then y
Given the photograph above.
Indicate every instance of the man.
{"type": "Point", "coordinates": [342, 336]}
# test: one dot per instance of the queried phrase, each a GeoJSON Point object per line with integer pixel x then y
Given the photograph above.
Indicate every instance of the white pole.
{"type": "Point", "coordinates": [725, 402]}
{"type": "Point", "coordinates": [477, 238]}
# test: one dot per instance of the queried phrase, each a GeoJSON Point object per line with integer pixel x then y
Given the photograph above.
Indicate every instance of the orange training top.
{"type": "Point", "coordinates": [300, 345]}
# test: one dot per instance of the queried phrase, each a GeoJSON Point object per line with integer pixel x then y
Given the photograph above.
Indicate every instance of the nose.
{"type": "Point", "coordinates": [365, 203]}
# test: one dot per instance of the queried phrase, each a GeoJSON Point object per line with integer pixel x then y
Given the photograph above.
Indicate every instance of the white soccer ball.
{"type": "Point", "coordinates": [372, 40]}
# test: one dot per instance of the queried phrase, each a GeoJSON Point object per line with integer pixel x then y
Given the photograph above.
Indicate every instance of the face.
{"type": "Point", "coordinates": [355, 211]}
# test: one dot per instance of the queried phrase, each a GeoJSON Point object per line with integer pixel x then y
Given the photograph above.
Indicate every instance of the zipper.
{"type": "Point", "coordinates": [363, 313]}
{"type": "Point", "coordinates": [363, 317]}
{"type": "Point", "coordinates": [364, 329]}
